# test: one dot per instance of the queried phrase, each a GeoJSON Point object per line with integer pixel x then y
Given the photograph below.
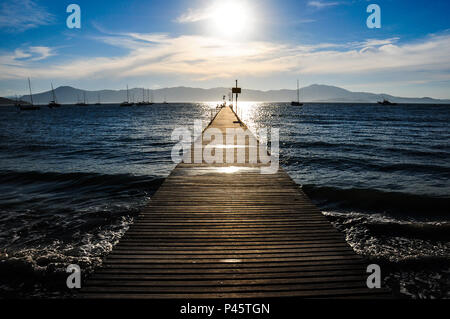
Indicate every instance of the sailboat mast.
{"type": "Point", "coordinates": [31, 94]}
{"type": "Point", "coordinates": [53, 93]}
{"type": "Point", "coordinates": [298, 92]}
{"type": "Point", "coordinates": [128, 95]}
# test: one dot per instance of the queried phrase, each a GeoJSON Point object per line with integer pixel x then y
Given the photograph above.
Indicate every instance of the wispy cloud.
{"type": "Point", "coordinates": [372, 44]}
{"type": "Point", "coordinates": [306, 20]}
{"type": "Point", "coordinates": [203, 58]}
{"type": "Point", "coordinates": [322, 4]}
{"type": "Point", "coordinates": [18, 63]}
{"type": "Point", "coordinates": [36, 53]}
{"type": "Point", "coordinates": [215, 10]}
{"type": "Point", "coordinates": [194, 15]}
{"type": "Point", "coordinates": [21, 15]}
{"type": "Point", "coordinates": [22, 57]}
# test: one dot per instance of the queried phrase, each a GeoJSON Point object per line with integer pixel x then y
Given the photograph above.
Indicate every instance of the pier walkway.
{"type": "Point", "coordinates": [228, 231]}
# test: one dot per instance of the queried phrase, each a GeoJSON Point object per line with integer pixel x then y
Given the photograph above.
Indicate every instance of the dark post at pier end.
{"type": "Point", "coordinates": [236, 90]}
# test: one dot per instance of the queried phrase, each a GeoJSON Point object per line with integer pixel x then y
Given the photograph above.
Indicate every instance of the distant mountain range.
{"type": "Point", "coordinates": [313, 93]}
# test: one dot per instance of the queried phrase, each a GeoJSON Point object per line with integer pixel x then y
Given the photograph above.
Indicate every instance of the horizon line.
{"type": "Point", "coordinates": [223, 87]}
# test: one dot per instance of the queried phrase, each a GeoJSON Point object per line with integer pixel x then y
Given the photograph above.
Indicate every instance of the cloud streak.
{"type": "Point", "coordinates": [21, 15]}
{"type": "Point", "coordinates": [194, 15]}
{"type": "Point", "coordinates": [322, 4]}
{"type": "Point", "coordinates": [23, 57]}
{"type": "Point", "coordinates": [34, 53]}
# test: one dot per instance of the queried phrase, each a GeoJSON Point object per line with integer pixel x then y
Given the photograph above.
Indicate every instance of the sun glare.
{"type": "Point", "coordinates": [231, 18]}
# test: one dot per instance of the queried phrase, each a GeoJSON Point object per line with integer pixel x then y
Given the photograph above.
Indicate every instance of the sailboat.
{"type": "Point", "coordinates": [98, 102]}
{"type": "Point", "coordinates": [297, 103]}
{"type": "Point", "coordinates": [149, 99]}
{"type": "Point", "coordinates": [143, 102]}
{"type": "Point", "coordinates": [53, 103]}
{"type": "Point", "coordinates": [84, 101]}
{"type": "Point", "coordinates": [17, 102]}
{"type": "Point", "coordinates": [30, 107]}
{"type": "Point", "coordinates": [386, 102]}
{"type": "Point", "coordinates": [165, 102]}
{"type": "Point", "coordinates": [127, 103]}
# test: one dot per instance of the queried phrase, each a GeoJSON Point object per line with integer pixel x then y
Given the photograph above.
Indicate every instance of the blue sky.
{"type": "Point", "coordinates": [267, 44]}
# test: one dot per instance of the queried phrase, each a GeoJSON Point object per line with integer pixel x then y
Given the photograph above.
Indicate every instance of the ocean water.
{"type": "Point", "coordinates": [72, 179]}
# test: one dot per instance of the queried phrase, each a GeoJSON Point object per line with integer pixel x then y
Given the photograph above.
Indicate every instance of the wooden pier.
{"type": "Point", "coordinates": [228, 231]}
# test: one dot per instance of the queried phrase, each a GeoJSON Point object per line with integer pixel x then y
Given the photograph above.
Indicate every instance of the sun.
{"type": "Point", "coordinates": [231, 18]}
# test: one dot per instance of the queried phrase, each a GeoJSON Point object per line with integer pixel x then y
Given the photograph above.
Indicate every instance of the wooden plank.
{"type": "Point", "coordinates": [209, 233]}
{"type": "Point", "coordinates": [361, 293]}
{"type": "Point", "coordinates": [189, 276]}
{"type": "Point", "coordinates": [305, 270]}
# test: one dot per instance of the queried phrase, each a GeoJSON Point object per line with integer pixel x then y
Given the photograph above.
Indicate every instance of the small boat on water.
{"type": "Point", "coordinates": [79, 103]}
{"type": "Point", "coordinates": [53, 103]}
{"type": "Point", "coordinates": [98, 101]}
{"type": "Point", "coordinates": [145, 102]}
{"type": "Point", "coordinates": [149, 98]}
{"type": "Point", "coordinates": [16, 101]}
{"type": "Point", "coordinates": [386, 102]}
{"type": "Point", "coordinates": [28, 107]}
{"type": "Point", "coordinates": [140, 103]}
{"type": "Point", "coordinates": [165, 101]}
{"type": "Point", "coordinates": [297, 103]}
{"type": "Point", "coordinates": [127, 102]}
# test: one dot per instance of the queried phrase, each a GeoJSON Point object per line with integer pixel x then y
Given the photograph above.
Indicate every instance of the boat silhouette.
{"type": "Point", "coordinates": [28, 107]}
{"type": "Point", "coordinates": [53, 103]}
{"type": "Point", "coordinates": [98, 103]}
{"type": "Point", "coordinates": [84, 100]}
{"type": "Point", "coordinates": [145, 102]}
{"type": "Point", "coordinates": [127, 102]}
{"type": "Point", "coordinates": [386, 102]}
{"type": "Point", "coordinates": [297, 103]}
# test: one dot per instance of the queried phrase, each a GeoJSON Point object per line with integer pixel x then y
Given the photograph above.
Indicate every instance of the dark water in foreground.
{"type": "Point", "coordinates": [72, 180]}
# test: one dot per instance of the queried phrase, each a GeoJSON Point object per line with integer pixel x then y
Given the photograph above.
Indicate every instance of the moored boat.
{"type": "Point", "coordinates": [386, 102]}
{"type": "Point", "coordinates": [28, 107]}
{"type": "Point", "coordinates": [127, 102]}
{"type": "Point", "coordinates": [54, 102]}
{"type": "Point", "coordinates": [297, 103]}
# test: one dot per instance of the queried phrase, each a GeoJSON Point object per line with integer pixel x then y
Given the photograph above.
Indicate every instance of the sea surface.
{"type": "Point", "coordinates": [72, 180]}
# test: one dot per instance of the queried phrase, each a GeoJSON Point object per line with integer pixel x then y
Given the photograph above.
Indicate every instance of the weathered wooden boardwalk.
{"type": "Point", "coordinates": [227, 231]}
